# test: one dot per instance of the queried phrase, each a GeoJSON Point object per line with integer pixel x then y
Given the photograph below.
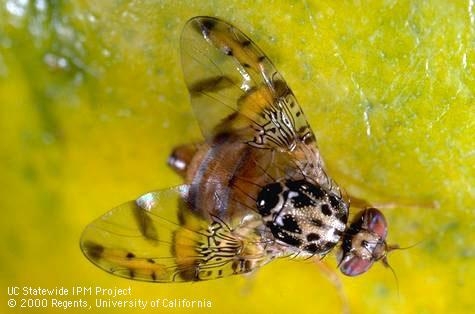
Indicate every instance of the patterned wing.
{"type": "Point", "coordinates": [234, 87]}
{"type": "Point", "coordinates": [146, 240]}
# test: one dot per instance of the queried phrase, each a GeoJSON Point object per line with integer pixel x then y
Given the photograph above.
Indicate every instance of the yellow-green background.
{"type": "Point", "coordinates": [92, 100]}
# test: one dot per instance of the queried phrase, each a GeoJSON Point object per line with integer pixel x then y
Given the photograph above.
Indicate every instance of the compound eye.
{"type": "Point", "coordinates": [268, 198]}
{"type": "Point", "coordinates": [375, 222]}
{"type": "Point", "coordinates": [354, 265]}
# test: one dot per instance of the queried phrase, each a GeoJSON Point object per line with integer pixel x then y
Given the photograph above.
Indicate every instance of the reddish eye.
{"type": "Point", "coordinates": [355, 266]}
{"type": "Point", "coordinates": [375, 222]}
{"type": "Point", "coordinates": [364, 242]}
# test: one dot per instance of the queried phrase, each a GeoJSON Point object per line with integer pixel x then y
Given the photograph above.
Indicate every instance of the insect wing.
{"type": "Point", "coordinates": [134, 240]}
{"type": "Point", "coordinates": [234, 87]}
{"type": "Point", "coordinates": [146, 240]}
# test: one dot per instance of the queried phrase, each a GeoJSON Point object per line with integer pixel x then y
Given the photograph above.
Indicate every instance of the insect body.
{"type": "Point", "coordinates": [255, 189]}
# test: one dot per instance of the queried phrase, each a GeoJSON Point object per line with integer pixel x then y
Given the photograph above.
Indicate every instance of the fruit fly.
{"type": "Point", "coordinates": [254, 190]}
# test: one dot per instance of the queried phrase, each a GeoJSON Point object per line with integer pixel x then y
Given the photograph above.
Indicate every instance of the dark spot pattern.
{"type": "Point", "coordinates": [316, 222]}
{"type": "Point", "coordinates": [94, 250]}
{"type": "Point", "coordinates": [301, 129]}
{"type": "Point", "coordinates": [316, 191]}
{"type": "Point", "coordinates": [206, 26]}
{"type": "Point", "coordinates": [268, 198]}
{"type": "Point", "coordinates": [326, 210]}
{"type": "Point", "coordinates": [337, 232]}
{"type": "Point", "coordinates": [283, 236]}
{"type": "Point", "coordinates": [303, 186]}
{"type": "Point", "coordinates": [312, 248]}
{"type": "Point", "coordinates": [302, 200]}
{"type": "Point", "coordinates": [307, 192]}
{"type": "Point", "coordinates": [312, 237]}
{"type": "Point", "coordinates": [290, 224]}
{"type": "Point", "coordinates": [334, 202]}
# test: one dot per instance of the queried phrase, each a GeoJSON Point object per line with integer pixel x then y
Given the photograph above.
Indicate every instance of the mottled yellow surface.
{"type": "Point", "coordinates": [92, 101]}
